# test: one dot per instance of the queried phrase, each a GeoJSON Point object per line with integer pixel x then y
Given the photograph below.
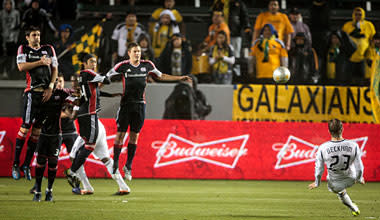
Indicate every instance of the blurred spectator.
{"type": "Point", "coordinates": [295, 18]}
{"type": "Point", "coordinates": [168, 5]}
{"type": "Point", "coordinates": [124, 33]}
{"type": "Point", "coordinates": [217, 25]}
{"type": "Point", "coordinates": [201, 67]}
{"type": "Point", "coordinates": [50, 6]}
{"type": "Point", "coordinates": [339, 49]}
{"type": "Point", "coordinates": [186, 102]}
{"type": "Point", "coordinates": [319, 25]}
{"type": "Point", "coordinates": [372, 56]}
{"type": "Point", "coordinates": [146, 47]}
{"type": "Point", "coordinates": [163, 30]}
{"type": "Point", "coordinates": [279, 20]}
{"type": "Point", "coordinates": [268, 53]}
{"type": "Point", "coordinates": [38, 17]}
{"type": "Point", "coordinates": [176, 58]}
{"type": "Point", "coordinates": [361, 32]}
{"type": "Point", "coordinates": [65, 61]}
{"type": "Point", "coordinates": [236, 16]}
{"type": "Point", "coordinates": [221, 59]}
{"type": "Point", "coordinates": [10, 28]}
{"type": "Point", "coordinates": [67, 10]}
{"type": "Point", "coordinates": [303, 61]}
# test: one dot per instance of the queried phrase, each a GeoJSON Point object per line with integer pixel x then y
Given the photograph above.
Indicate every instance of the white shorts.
{"type": "Point", "coordinates": [337, 186]}
{"type": "Point", "coordinates": [101, 147]}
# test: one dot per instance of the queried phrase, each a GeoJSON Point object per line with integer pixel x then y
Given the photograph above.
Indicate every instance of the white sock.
{"type": "Point", "coordinates": [117, 176]}
{"type": "Point", "coordinates": [346, 200]}
{"type": "Point", "coordinates": [83, 178]}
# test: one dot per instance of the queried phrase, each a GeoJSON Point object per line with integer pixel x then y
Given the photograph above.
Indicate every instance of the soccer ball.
{"type": "Point", "coordinates": [281, 74]}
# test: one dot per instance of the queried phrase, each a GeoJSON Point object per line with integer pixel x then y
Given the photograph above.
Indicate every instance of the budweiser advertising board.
{"type": "Point", "coordinates": [218, 149]}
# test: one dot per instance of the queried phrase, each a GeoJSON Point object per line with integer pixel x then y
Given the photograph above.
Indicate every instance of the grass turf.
{"type": "Point", "coordinates": [187, 200]}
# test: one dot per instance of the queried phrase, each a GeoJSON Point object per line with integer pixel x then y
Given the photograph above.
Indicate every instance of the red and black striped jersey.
{"type": "Point", "coordinates": [134, 80]}
{"type": "Point", "coordinates": [39, 76]}
{"type": "Point", "coordinates": [88, 82]}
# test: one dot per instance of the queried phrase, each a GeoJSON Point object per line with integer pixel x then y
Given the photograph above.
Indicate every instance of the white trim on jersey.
{"type": "Point", "coordinates": [97, 78]}
{"type": "Point", "coordinates": [156, 72]}
{"type": "Point", "coordinates": [93, 129]}
{"type": "Point", "coordinates": [21, 58]}
{"type": "Point", "coordinates": [28, 108]}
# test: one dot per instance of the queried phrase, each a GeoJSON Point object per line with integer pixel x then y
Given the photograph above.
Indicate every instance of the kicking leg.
{"type": "Point", "coordinates": [346, 200]}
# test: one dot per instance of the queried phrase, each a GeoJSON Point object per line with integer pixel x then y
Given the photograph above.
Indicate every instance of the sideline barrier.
{"type": "Point", "coordinates": [302, 103]}
{"type": "Point", "coordinates": [218, 149]}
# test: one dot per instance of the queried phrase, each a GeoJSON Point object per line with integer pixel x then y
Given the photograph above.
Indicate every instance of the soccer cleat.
{"type": "Point", "coordinates": [122, 192]}
{"type": "Point", "coordinates": [16, 172]}
{"type": "Point", "coordinates": [26, 171]}
{"type": "Point", "coordinates": [77, 191]}
{"type": "Point", "coordinates": [355, 211]}
{"type": "Point", "coordinates": [127, 173]}
{"type": "Point", "coordinates": [49, 195]}
{"type": "Point", "coordinates": [37, 197]}
{"type": "Point", "coordinates": [33, 190]}
{"type": "Point", "coordinates": [71, 178]}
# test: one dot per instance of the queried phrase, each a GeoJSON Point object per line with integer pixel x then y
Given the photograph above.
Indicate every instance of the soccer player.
{"type": "Point", "coordinates": [343, 160]}
{"type": "Point", "coordinates": [132, 105]}
{"type": "Point", "coordinates": [101, 152]}
{"type": "Point", "coordinates": [41, 67]}
{"type": "Point", "coordinates": [49, 143]}
{"type": "Point", "coordinates": [86, 113]}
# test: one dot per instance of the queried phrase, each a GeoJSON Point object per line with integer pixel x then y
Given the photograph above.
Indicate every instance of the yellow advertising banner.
{"type": "Point", "coordinates": [283, 103]}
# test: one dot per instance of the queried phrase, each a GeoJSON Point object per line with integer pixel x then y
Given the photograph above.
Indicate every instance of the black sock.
{"type": "Point", "coordinates": [39, 175]}
{"type": "Point", "coordinates": [131, 155]}
{"type": "Point", "coordinates": [116, 153]}
{"type": "Point", "coordinates": [52, 172]}
{"type": "Point", "coordinates": [29, 152]}
{"type": "Point", "coordinates": [19, 144]}
{"type": "Point", "coordinates": [80, 158]}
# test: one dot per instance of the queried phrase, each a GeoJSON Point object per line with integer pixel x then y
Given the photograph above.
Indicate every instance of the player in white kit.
{"type": "Point", "coordinates": [101, 152]}
{"type": "Point", "coordinates": [343, 160]}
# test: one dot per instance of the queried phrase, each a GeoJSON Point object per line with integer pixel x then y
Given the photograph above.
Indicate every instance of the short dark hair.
{"type": "Point", "coordinates": [132, 45]}
{"type": "Point", "coordinates": [335, 127]}
{"type": "Point", "coordinates": [60, 74]}
{"type": "Point", "coordinates": [30, 29]}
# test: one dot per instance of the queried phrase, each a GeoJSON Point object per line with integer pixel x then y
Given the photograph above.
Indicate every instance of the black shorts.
{"type": "Point", "coordinates": [68, 140]}
{"type": "Point", "coordinates": [132, 115]}
{"type": "Point", "coordinates": [31, 111]}
{"type": "Point", "coordinates": [88, 128]}
{"type": "Point", "coordinates": [49, 145]}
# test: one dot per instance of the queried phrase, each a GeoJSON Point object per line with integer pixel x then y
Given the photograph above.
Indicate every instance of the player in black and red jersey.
{"type": "Point", "coordinates": [86, 113]}
{"type": "Point", "coordinates": [39, 62]}
{"type": "Point", "coordinates": [132, 105]}
{"type": "Point", "coordinates": [50, 141]}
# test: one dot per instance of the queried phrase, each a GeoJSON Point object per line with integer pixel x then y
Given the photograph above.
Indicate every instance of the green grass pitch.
{"type": "Point", "coordinates": [187, 200]}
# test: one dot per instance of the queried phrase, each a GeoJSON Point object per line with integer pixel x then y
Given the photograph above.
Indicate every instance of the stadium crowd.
{"type": "Point", "coordinates": [235, 49]}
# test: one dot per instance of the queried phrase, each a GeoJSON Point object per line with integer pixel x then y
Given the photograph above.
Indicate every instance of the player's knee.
{"type": "Point", "coordinates": [41, 160]}
{"type": "Point", "coordinates": [119, 137]}
{"type": "Point", "coordinates": [52, 163]}
{"type": "Point", "coordinates": [133, 136]}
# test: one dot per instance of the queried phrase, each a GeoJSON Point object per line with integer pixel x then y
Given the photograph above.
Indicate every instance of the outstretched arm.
{"type": "Point", "coordinates": [171, 78]}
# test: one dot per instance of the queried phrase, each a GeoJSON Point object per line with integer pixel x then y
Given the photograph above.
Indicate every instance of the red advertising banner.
{"type": "Point", "coordinates": [218, 149]}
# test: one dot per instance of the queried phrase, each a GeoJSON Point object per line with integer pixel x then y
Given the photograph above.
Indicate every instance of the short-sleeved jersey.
{"type": "Point", "coordinates": [88, 82]}
{"type": "Point", "coordinates": [342, 158]}
{"type": "Point", "coordinates": [279, 20]}
{"type": "Point", "coordinates": [51, 111]}
{"type": "Point", "coordinates": [264, 69]}
{"type": "Point", "coordinates": [39, 76]}
{"type": "Point", "coordinates": [134, 80]}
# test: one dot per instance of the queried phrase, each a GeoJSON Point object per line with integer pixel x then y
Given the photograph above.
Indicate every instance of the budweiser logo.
{"type": "Point", "coordinates": [223, 152]}
{"type": "Point", "coordinates": [297, 151]}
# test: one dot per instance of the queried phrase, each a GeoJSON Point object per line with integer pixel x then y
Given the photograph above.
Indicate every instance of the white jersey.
{"type": "Point", "coordinates": [342, 158]}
